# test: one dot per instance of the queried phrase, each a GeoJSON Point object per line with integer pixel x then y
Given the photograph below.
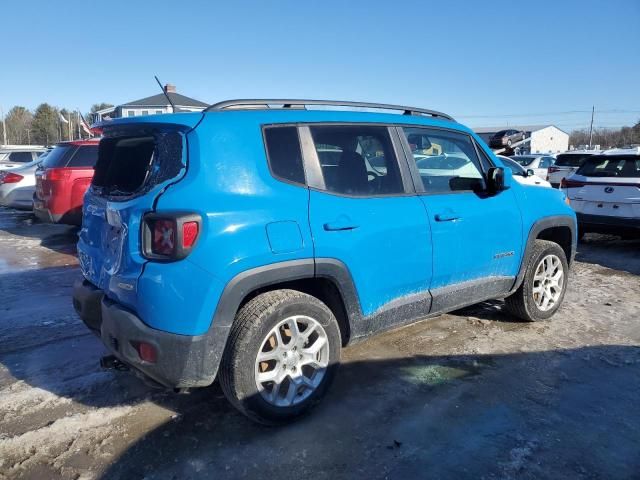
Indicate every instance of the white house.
{"type": "Point", "coordinates": [156, 104]}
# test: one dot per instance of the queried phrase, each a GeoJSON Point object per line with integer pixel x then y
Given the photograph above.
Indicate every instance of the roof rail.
{"type": "Point", "coordinates": [265, 103]}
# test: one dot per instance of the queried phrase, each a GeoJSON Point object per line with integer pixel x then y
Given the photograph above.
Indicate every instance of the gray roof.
{"type": "Point", "coordinates": [161, 101]}
{"type": "Point", "coordinates": [523, 128]}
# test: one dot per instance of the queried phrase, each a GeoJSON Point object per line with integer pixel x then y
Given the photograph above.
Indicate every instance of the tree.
{"type": "Point", "coordinates": [90, 117]}
{"type": "Point", "coordinates": [99, 106]}
{"type": "Point", "coordinates": [45, 125]}
{"type": "Point", "coordinates": [18, 123]}
{"type": "Point", "coordinates": [607, 137]}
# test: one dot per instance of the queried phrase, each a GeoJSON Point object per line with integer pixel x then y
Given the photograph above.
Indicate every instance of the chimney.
{"type": "Point", "coordinates": [170, 88]}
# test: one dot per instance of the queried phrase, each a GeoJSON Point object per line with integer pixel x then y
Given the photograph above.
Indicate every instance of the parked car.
{"type": "Point", "coordinates": [15, 156]}
{"type": "Point", "coordinates": [522, 175]}
{"type": "Point", "coordinates": [18, 185]}
{"type": "Point", "coordinates": [229, 243]}
{"type": "Point", "coordinates": [567, 163]}
{"type": "Point", "coordinates": [605, 193]}
{"type": "Point", "coordinates": [62, 180]}
{"type": "Point", "coordinates": [536, 162]}
{"type": "Point", "coordinates": [505, 138]}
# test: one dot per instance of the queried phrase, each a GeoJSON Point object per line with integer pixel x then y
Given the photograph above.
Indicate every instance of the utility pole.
{"type": "Point", "coordinates": [593, 109]}
{"type": "Point", "coordinates": [4, 128]}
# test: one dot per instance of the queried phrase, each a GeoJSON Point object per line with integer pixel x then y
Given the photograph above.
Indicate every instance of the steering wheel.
{"type": "Point", "coordinates": [373, 175]}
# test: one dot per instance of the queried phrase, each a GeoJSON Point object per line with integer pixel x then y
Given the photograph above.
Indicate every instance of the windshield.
{"type": "Point", "coordinates": [571, 159]}
{"type": "Point", "coordinates": [523, 160]}
{"type": "Point", "coordinates": [611, 166]}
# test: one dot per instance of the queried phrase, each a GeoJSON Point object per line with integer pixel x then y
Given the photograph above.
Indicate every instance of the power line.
{"type": "Point", "coordinates": [542, 114]}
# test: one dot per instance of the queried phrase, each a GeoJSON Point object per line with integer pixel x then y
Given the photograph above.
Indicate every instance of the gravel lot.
{"type": "Point", "coordinates": [473, 394]}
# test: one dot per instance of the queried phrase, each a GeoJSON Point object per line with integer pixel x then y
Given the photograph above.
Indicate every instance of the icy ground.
{"type": "Point", "coordinates": [473, 394]}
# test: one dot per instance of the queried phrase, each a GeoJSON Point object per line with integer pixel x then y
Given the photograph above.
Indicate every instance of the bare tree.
{"type": "Point", "coordinates": [18, 125]}
{"type": "Point", "coordinates": [607, 137]}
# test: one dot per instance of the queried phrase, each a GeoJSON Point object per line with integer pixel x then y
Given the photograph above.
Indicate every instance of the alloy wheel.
{"type": "Point", "coordinates": [548, 282]}
{"type": "Point", "coordinates": [292, 361]}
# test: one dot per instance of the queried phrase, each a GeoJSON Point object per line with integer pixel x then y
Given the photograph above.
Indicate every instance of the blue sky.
{"type": "Point", "coordinates": [487, 63]}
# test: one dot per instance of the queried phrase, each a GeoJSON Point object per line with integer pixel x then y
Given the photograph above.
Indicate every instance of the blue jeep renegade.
{"type": "Point", "coordinates": [254, 240]}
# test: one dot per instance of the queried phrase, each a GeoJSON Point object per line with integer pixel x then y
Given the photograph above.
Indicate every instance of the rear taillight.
{"type": "Point", "coordinates": [553, 170]}
{"type": "Point", "coordinates": [9, 177]}
{"type": "Point", "coordinates": [169, 236]}
{"type": "Point", "coordinates": [568, 183]}
{"type": "Point", "coordinates": [56, 174]}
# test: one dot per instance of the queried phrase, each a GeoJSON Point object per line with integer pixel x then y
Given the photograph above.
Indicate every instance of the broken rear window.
{"type": "Point", "coordinates": [131, 165]}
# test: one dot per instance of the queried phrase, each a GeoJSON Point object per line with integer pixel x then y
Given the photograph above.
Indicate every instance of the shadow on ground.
{"type": "Point", "coordinates": [610, 252]}
{"type": "Point", "coordinates": [57, 237]}
{"type": "Point", "coordinates": [560, 414]}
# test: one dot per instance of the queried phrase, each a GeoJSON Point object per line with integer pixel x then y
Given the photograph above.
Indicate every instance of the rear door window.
{"type": "Point", "coordinates": [85, 156]}
{"type": "Point", "coordinates": [59, 156]}
{"type": "Point", "coordinates": [357, 160]}
{"type": "Point", "coordinates": [283, 153]}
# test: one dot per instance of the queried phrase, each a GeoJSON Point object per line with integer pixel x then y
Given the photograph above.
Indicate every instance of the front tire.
{"type": "Point", "coordinates": [544, 285]}
{"type": "Point", "coordinates": [281, 356]}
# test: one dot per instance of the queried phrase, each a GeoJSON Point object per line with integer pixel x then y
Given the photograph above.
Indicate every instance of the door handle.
{"type": "Point", "coordinates": [447, 217]}
{"type": "Point", "coordinates": [340, 223]}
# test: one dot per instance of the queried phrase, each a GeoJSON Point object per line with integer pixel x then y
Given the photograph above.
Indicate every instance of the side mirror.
{"type": "Point", "coordinates": [496, 179]}
{"type": "Point", "coordinates": [530, 172]}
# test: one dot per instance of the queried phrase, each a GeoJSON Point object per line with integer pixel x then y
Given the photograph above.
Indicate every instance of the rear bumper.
{"type": "Point", "coordinates": [72, 217]}
{"type": "Point", "coordinates": [20, 197]}
{"type": "Point", "coordinates": [182, 360]}
{"type": "Point", "coordinates": [607, 224]}
{"type": "Point", "coordinates": [44, 215]}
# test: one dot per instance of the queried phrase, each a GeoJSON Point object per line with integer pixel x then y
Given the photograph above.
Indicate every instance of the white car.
{"type": "Point", "coordinates": [14, 156]}
{"type": "Point", "coordinates": [566, 163]}
{"type": "Point", "coordinates": [539, 163]}
{"type": "Point", "coordinates": [522, 175]}
{"type": "Point", "coordinates": [605, 192]}
{"type": "Point", "coordinates": [17, 186]}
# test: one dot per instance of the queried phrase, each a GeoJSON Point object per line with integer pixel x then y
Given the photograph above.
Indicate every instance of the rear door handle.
{"type": "Point", "coordinates": [340, 223]}
{"type": "Point", "coordinates": [447, 217]}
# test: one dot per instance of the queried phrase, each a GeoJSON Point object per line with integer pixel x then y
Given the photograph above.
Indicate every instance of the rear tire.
{"type": "Point", "coordinates": [296, 365]}
{"type": "Point", "coordinates": [544, 285]}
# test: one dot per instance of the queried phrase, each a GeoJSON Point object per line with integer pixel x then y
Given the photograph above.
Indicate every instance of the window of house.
{"type": "Point", "coordinates": [455, 167]}
{"type": "Point", "coordinates": [357, 160]}
{"type": "Point", "coordinates": [283, 152]}
{"type": "Point", "coordinates": [158, 112]}
{"type": "Point", "coordinates": [131, 113]}
{"type": "Point", "coordinates": [145, 112]}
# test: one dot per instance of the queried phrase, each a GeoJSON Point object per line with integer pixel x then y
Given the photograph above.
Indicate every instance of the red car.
{"type": "Point", "coordinates": [63, 179]}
